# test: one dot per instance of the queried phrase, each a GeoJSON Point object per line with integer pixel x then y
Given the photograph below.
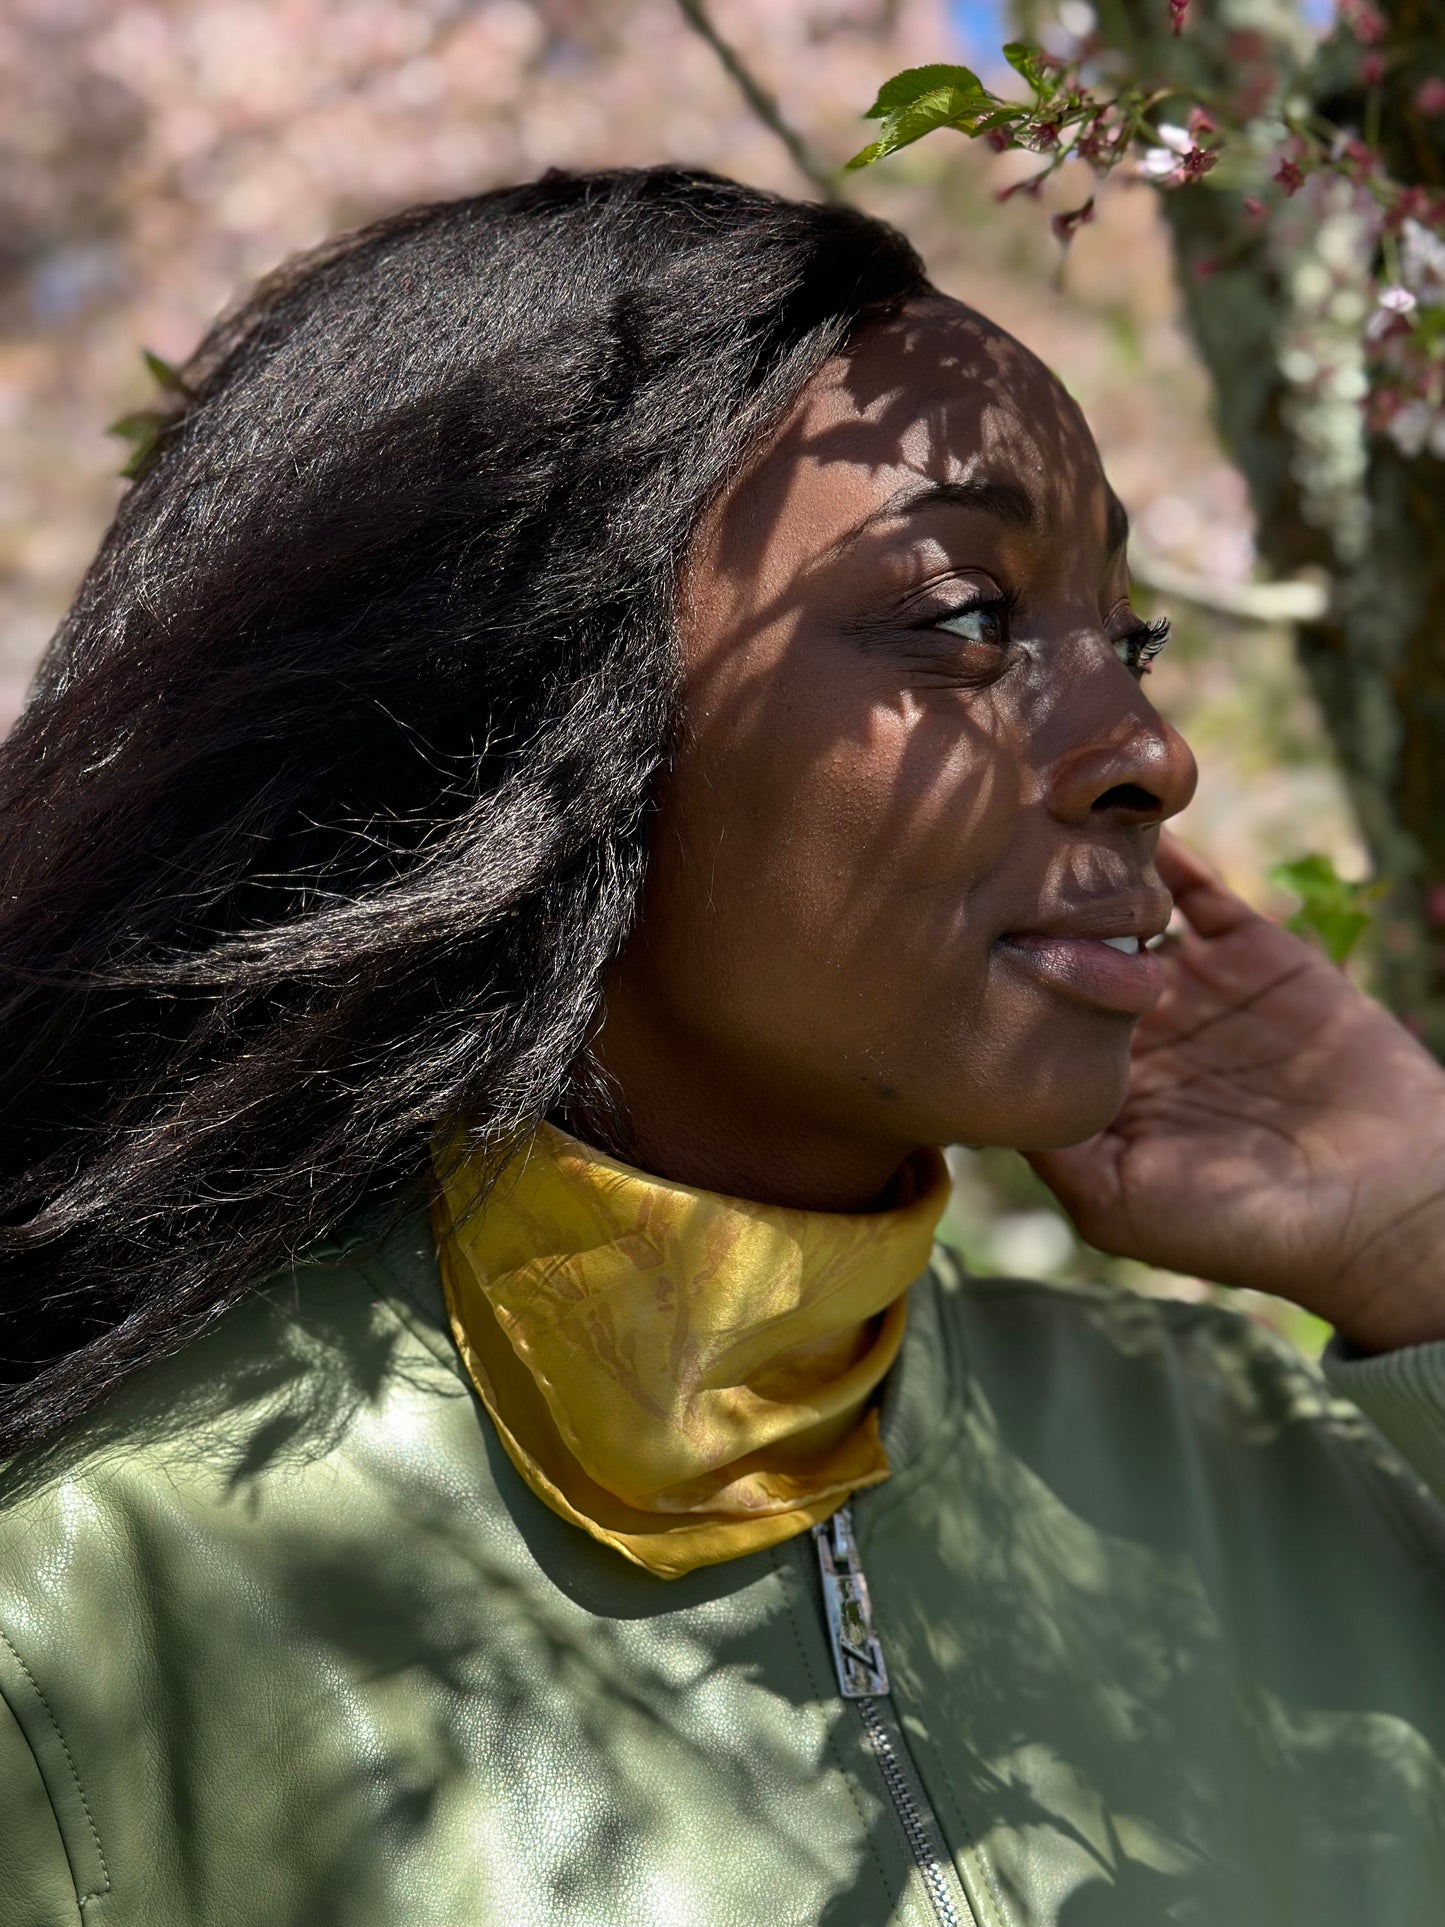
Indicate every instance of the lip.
{"type": "Point", "coordinates": [1068, 952]}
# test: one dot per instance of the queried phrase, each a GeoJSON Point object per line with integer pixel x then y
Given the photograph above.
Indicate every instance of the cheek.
{"type": "Point", "coordinates": [898, 824]}
{"type": "Point", "coordinates": [848, 853]}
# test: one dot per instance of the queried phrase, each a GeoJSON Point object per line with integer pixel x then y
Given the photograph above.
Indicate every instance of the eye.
{"type": "Point", "coordinates": [984, 619]}
{"type": "Point", "coordinates": [1138, 647]}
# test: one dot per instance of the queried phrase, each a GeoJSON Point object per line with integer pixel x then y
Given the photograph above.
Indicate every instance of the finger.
{"type": "Point", "coordinates": [1208, 904]}
{"type": "Point", "coordinates": [1080, 1175]}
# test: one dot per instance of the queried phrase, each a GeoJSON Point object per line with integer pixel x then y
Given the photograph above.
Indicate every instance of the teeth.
{"type": "Point", "coordinates": [1129, 945]}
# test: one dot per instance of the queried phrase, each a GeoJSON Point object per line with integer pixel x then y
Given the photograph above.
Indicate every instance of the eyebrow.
{"type": "Point", "coordinates": [1006, 501]}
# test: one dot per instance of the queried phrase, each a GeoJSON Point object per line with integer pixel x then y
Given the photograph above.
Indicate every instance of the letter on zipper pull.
{"type": "Point", "coordinates": [857, 1655]}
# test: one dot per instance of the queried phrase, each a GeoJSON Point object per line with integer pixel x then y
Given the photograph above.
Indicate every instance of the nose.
{"type": "Point", "coordinates": [1135, 771]}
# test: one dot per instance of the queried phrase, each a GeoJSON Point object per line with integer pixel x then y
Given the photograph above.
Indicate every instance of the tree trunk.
{"type": "Point", "coordinates": [1276, 309]}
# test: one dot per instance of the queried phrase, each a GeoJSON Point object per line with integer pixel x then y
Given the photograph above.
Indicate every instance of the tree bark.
{"type": "Point", "coordinates": [1327, 495]}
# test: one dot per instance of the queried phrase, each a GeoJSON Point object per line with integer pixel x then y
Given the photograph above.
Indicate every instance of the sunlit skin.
{"type": "Point", "coordinates": [920, 780]}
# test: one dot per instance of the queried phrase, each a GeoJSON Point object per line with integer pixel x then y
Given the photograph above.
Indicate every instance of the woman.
{"type": "Point", "coordinates": [610, 727]}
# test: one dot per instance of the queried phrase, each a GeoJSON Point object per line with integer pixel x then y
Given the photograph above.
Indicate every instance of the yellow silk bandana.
{"type": "Point", "coordinates": [685, 1376]}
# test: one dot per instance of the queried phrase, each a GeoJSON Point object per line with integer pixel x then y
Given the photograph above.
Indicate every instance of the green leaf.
{"type": "Point", "coordinates": [1027, 60]}
{"type": "Point", "coordinates": [137, 462]}
{"type": "Point", "coordinates": [903, 89]}
{"type": "Point", "coordinates": [165, 375]}
{"type": "Point", "coordinates": [1000, 117]}
{"type": "Point", "coordinates": [133, 428]}
{"type": "Point", "coordinates": [1428, 323]}
{"type": "Point", "coordinates": [943, 107]}
{"type": "Point", "coordinates": [1333, 912]}
{"type": "Point", "coordinates": [143, 431]}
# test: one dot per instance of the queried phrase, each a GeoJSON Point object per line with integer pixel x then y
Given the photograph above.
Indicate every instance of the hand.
{"type": "Point", "coordinates": [1281, 1130]}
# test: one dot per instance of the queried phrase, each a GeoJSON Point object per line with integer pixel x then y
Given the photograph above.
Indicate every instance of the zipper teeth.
{"type": "Point", "coordinates": [863, 1678]}
{"type": "Point", "coordinates": [914, 1830]}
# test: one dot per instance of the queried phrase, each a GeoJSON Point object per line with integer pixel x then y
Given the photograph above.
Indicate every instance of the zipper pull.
{"type": "Point", "coordinates": [857, 1655]}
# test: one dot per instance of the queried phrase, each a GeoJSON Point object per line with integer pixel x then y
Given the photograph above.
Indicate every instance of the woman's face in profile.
{"type": "Point", "coordinates": [920, 780]}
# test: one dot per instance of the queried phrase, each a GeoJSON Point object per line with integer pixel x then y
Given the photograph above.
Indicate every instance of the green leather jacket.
{"type": "Point", "coordinates": [284, 1642]}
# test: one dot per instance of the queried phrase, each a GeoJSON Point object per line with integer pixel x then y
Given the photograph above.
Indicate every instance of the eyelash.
{"type": "Point", "coordinates": [1137, 649]}
{"type": "Point", "coordinates": [1143, 644]}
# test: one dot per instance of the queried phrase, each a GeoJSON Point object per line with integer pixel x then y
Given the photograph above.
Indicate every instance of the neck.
{"type": "Point", "coordinates": [704, 1127]}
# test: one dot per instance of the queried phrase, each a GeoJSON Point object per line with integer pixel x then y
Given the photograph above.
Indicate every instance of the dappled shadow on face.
{"type": "Point", "coordinates": [901, 702]}
{"type": "Point", "coordinates": [937, 396]}
{"type": "Point", "coordinates": [942, 396]}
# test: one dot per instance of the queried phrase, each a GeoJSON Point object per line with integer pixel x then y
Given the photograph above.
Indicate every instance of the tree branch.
{"type": "Point", "coordinates": [1298, 600]}
{"type": "Point", "coordinates": [761, 100]}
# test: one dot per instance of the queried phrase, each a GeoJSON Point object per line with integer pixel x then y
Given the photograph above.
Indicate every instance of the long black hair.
{"type": "Point", "coordinates": [328, 810]}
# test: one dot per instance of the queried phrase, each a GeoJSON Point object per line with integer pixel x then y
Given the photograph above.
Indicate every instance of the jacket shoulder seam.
{"type": "Point", "coordinates": [1182, 1320]}
{"type": "Point", "coordinates": [1073, 1291]}
{"type": "Point", "coordinates": [1180, 1317]}
{"type": "Point", "coordinates": [94, 1893]}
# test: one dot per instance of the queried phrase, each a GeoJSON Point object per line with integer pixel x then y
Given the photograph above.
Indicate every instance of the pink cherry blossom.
{"type": "Point", "coordinates": [1065, 226]}
{"type": "Point", "coordinates": [1393, 305]}
{"type": "Point", "coordinates": [1364, 21]}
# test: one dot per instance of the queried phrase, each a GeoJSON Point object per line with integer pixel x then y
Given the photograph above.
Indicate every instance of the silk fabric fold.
{"type": "Point", "coordinates": [686, 1376]}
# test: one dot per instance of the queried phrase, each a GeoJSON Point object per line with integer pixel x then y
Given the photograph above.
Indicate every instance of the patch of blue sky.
{"type": "Point", "coordinates": [979, 27]}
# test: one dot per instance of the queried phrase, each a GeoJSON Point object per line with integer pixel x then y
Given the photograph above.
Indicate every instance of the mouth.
{"type": "Point", "coordinates": [1112, 970]}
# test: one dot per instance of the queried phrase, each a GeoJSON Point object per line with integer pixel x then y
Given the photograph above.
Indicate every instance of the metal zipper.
{"type": "Point", "coordinates": [863, 1677]}
{"type": "Point", "coordinates": [857, 1655]}
{"type": "Point", "coordinates": [939, 1877]}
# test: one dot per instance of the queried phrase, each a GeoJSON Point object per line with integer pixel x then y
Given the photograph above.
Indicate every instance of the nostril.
{"type": "Point", "coordinates": [1131, 797]}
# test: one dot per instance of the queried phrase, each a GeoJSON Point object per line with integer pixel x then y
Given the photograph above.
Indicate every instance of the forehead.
{"type": "Point", "coordinates": [938, 395]}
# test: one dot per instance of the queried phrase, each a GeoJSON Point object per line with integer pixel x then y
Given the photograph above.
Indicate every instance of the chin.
{"type": "Point", "coordinates": [1046, 1106]}
{"type": "Point", "coordinates": [1066, 1115]}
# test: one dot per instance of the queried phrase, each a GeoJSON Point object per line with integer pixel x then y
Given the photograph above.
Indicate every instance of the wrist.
{"type": "Point", "coordinates": [1366, 1254]}
{"type": "Point", "coordinates": [1416, 1319]}
{"type": "Point", "coordinates": [1397, 1297]}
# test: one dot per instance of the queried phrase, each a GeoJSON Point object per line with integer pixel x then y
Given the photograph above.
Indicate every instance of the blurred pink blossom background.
{"type": "Point", "coordinates": [156, 155]}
